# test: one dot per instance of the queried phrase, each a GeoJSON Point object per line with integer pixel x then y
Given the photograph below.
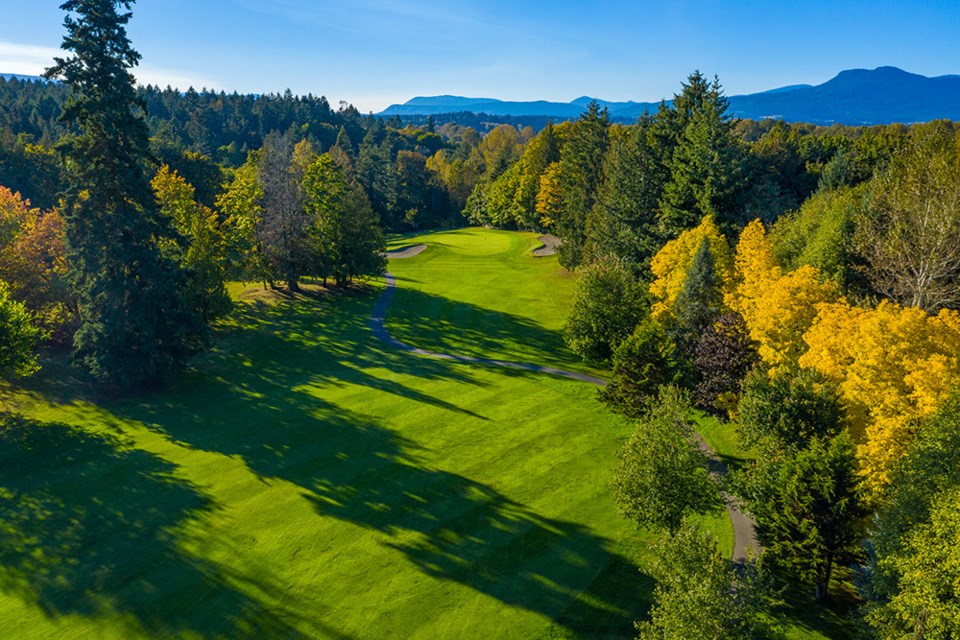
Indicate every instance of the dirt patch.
{"type": "Point", "coordinates": [548, 247]}
{"type": "Point", "coordinates": [405, 252]}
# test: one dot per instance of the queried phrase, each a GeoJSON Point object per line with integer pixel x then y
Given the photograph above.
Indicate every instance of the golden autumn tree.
{"type": "Point", "coordinates": [894, 366]}
{"type": "Point", "coordinates": [777, 307]}
{"type": "Point", "coordinates": [672, 263]}
{"type": "Point", "coordinates": [549, 195]}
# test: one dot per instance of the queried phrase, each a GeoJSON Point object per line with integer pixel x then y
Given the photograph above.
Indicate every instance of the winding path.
{"type": "Point", "coordinates": [744, 528]}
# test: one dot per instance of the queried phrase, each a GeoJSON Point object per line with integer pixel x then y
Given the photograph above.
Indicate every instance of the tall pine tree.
{"type": "Point", "coordinates": [707, 166]}
{"type": "Point", "coordinates": [136, 327]}
{"type": "Point", "coordinates": [581, 173]}
{"type": "Point", "coordinates": [623, 222]}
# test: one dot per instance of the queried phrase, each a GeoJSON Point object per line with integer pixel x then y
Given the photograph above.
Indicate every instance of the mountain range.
{"type": "Point", "coordinates": [854, 97]}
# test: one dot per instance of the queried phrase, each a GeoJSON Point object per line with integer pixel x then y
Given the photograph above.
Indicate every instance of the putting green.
{"type": "Point", "coordinates": [307, 480]}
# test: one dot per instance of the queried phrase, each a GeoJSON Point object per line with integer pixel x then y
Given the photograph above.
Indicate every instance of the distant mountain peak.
{"type": "Point", "coordinates": [882, 95]}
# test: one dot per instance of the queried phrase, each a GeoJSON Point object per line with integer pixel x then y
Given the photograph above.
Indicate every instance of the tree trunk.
{"type": "Point", "coordinates": [823, 581]}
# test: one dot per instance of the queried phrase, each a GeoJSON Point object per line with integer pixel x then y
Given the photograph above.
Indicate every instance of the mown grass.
{"type": "Point", "coordinates": [304, 480]}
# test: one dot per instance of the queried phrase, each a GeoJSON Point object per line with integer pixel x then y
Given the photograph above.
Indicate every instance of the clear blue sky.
{"type": "Point", "coordinates": [376, 52]}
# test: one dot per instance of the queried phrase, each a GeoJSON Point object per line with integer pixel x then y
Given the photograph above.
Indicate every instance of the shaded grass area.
{"type": "Point", "coordinates": [304, 480]}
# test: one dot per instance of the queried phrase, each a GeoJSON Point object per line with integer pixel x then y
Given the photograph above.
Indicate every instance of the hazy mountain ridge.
{"type": "Point", "coordinates": [856, 96]}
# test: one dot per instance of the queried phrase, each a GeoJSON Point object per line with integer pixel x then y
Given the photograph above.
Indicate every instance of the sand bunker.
{"type": "Point", "coordinates": [405, 252]}
{"type": "Point", "coordinates": [549, 246]}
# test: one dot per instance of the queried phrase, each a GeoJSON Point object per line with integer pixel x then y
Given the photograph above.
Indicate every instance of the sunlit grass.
{"type": "Point", "coordinates": [306, 480]}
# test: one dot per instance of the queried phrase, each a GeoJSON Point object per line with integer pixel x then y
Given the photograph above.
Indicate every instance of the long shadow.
{"type": "Point", "coordinates": [90, 528]}
{"type": "Point", "coordinates": [441, 325]}
{"type": "Point", "coordinates": [355, 468]}
{"type": "Point", "coordinates": [254, 397]}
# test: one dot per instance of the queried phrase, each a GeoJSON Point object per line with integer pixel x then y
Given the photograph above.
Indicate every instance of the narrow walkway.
{"type": "Point", "coordinates": [744, 529]}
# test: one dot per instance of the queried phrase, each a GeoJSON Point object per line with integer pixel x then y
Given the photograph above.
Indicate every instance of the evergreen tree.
{"type": "Point", "coordinates": [642, 363]}
{"type": "Point", "coordinates": [136, 328]}
{"type": "Point", "coordinates": [581, 173]}
{"type": "Point", "coordinates": [345, 239]}
{"type": "Point", "coordinates": [699, 302]}
{"type": "Point", "coordinates": [810, 517]}
{"type": "Point", "coordinates": [707, 166]}
{"type": "Point", "coordinates": [623, 222]}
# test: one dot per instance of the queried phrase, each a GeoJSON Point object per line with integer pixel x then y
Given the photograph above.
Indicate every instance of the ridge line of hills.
{"type": "Point", "coordinates": [883, 95]}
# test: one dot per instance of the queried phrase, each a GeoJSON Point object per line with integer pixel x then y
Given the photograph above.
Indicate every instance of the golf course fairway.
{"type": "Point", "coordinates": [306, 479]}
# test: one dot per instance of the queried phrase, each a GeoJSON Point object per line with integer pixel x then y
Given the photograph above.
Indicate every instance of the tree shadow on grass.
{"type": "Point", "coordinates": [89, 528]}
{"type": "Point", "coordinates": [441, 325]}
{"type": "Point", "coordinates": [256, 397]}
{"type": "Point", "coordinates": [356, 469]}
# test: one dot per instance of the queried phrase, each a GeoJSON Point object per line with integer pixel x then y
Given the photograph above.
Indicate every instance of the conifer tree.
{"type": "Point", "coordinates": [699, 302]}
{"type": "Point", "coordinates": [623, 223]}
{"type": "Point", "coordinates": [136, 328]}
{"type": "Point", "coordinates": [581, 173]}
{"type": "Point", "coordinates": [707, 166]}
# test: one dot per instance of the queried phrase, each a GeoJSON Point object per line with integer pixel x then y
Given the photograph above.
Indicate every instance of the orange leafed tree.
{"type": "Point", "coordinates": [33, 261]}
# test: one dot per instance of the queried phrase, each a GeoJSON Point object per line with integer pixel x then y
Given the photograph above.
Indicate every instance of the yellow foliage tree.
{"type": "Point", "coordinates": [894, 365]}
{"type": "Point", "coordinates": [755, 266]}
{"type": "Point", "coordinates": [672, 262]}
{"type": "Point", "coordinates": [778, 308]}
{"type": "Point", "coordinates": [549, 195]}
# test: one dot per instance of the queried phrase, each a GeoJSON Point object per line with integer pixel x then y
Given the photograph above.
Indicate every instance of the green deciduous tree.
{"type": "Point", "coordinates": [608, 303]}
{"type": "Point", "coordinates": [700, 594]}
{"type": "Point", "coordinates": [200, 249]}
{"type": "Point", "coordinates": [909, 234]}
{"type": "Point", "coordinates": [916, 537]}
{"type": "Point", "coordinates": [136, 328]}
{"type": "Point", "coordinates": [18, 336]}
{"type": "Point", "coordinates": [820, 234]}
{"type": "Point", "coordinates": [662, 476]}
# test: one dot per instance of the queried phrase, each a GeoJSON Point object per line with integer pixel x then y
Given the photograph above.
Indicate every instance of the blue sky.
{"type": "Point", "coordinates": [372, 53]}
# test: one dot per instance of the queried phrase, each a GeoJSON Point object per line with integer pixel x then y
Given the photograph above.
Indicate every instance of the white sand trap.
{"type": "Point", "coordinates": [549, 246]}
{"type": "Point", "coordinates": [405, 252]}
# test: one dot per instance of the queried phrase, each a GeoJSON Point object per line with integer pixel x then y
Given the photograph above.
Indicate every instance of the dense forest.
{"type": "Point", "coordinates": [800, 282]}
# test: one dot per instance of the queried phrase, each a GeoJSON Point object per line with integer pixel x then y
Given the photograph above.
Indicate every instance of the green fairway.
{"type": "Point", "coordinates": [307, 480]}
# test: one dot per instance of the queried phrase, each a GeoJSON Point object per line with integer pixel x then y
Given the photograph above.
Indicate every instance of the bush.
{"type": "Point", "coordinates": [641, 364]}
